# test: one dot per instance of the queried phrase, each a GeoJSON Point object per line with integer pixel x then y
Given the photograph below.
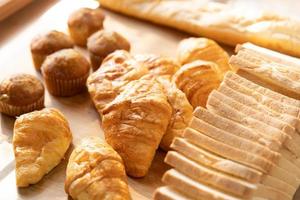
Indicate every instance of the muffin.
{"type": "Point", "coordinates": [84, 22]}
{"type": "Point", "coordinates": [45, 44]}
{"type": "Point", "coordinates": [21, 93]}
{"type": "Point", "coordinates": [104, 42]}
{"type": "Point", "coordinates": [65, 72]}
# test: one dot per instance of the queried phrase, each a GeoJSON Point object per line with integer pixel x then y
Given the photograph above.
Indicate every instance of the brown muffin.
{"type": "Point", "coordinates": [45, 44]}
{"type": "Point", "coordinates": [21, 93]}
{"type": "Point", "coordinates": [104, 42]}
{"type": "Point", "coordinates": [84, 22]}
{"type": "Point", "coordinates": [65, 72]}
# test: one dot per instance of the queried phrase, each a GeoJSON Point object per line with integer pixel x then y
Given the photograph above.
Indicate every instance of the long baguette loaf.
{"type": "Point", "coordinates": [218, 21]}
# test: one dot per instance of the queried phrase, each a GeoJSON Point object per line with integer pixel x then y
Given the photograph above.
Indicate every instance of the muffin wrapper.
{"type": "Point", "coordinates": [64, 88]}
{"type": "Point", "coordinates": [19, 110]}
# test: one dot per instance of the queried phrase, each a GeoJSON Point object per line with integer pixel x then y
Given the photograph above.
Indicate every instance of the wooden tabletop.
{"type": "Point", "coordinates": [16, 33]}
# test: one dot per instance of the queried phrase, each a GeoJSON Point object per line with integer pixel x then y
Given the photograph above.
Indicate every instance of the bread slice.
{"type": "Point", "coordinates": [216, 20]}
{"type": "Point", "coordinates": [194, 189]}
{"type": "Point", "coordinates": [227, 151]}
{"type": "Point", "coordinates": [209, 176]}
{"type": "Point", "coordinates": [237, 129]}
{"type": "Point", "coordinates": [278, 184]}
{"type": "Point", "coordinates": [270, 193]}
{"type": "Point", "coordinates": [267, 76]}
{"type": "Point", "coordinates": [231, 139]}
{"type": "Point", "coordinates": [214, 161]}
{"type": "Point", "coordinates": [169, 193]}
{"type": "Point", "coordinates": [262, 90]}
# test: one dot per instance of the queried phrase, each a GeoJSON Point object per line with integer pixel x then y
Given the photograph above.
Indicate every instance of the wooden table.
{"type": "Point", "coordinates": [15, 35]}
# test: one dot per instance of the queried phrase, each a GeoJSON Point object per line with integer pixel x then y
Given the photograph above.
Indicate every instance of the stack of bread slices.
{"type": "Point", "coordinates": [246, 143]}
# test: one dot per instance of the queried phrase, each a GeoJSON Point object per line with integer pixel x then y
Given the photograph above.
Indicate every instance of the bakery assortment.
{"type": "Point", "coordinates": [65, 72]}
{"type": "Point", "coordinates": [217, 20]}
{"type": "Point", "coordinates": [84, 22]}
{"type": "Point", "coordinates": [47, 43]}
{"type": "Point", "coordinates": [245, 144]}
{"type": "Point", "coordinates": [21, 93]}
{"type": "Point", "coordinates": [96, 171]}
{"type": "Point", "coordinates": [40, 141]}
{"type": "Point", "coordinates": [102, 43]}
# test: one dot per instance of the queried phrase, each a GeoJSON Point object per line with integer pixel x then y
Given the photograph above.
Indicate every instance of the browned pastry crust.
{"type": "Point", "coordinates": [21, 93]}
{"type": "Point", "coordinates": [118, 69]}
{"type": "Point", "coordinates": [192, 49]}
{"type": "Point", "coordinates": [84, 22]}
{"type": "Point", "coordinates": [40, 141]}
{"type": "Point", "coordinates": [104, 42]}
{"type": "Point", "coordinates": [65, 72]}
{"type": "Point", "coordinates": [96, 171]}
{"type": "Point", "coordinates": [135, 122]}
{"type": "Point", "coordinates": [197, 80]}
{"type": "Point", "coordinates": [45, 44]}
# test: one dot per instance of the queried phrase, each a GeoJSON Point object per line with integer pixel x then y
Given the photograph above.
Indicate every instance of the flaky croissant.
{"type": "Point", "coordinates": [192, 49]}
{"type": "Point", "coordinates": [40, 141]}
{"type": "Point", "coordinates": [117, 69]}
{"type": "Point", "coordinates": [197, 80]}
{"type": "Point", "coordinates": [95, 171]}
{"type": "Point", "coordinates": [135, 122]}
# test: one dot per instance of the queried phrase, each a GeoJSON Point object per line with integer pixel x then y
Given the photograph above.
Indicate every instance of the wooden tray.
{"type": "Point", "coordinates": [8, 7]}
{"type": "Point", "coordinates": [84, 121]}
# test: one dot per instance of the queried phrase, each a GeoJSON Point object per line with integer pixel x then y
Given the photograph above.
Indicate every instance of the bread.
{"type": "Point", "coordinates": [278, 76]}
{"type": "Point", "coordinates": [134, 123]}
{"type": "Point", "coordinates": [21, 93]}
{"type": "Point", "coordinates": [117, 70]}
{"type": "Point", "coordinates": [47, 43]}
{"type": "Point", "coordinates": [182, 112]}
{"type": "Point", "coordinates": [101, 43]}
{"type": "Point", "coordinates": [84, 22]}
{"type": "Point", "coordinates": [40, 141]}
{"type": "Point", "coordinates": [96, 171]}
{"type": "Point", "coordinates": [192, 49]}
{"type": "Point", "coordinates": [197, 80]}
{"type": "Point", "coordinates": [65, 73]}
{"type": "Point", "coordinates": [218, 21]}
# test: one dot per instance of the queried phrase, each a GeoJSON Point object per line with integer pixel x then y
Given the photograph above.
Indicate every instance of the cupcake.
{"type": "Point", "coordinates": [104, 42]}
{"type": "Point", "coordinates": [65, 72]}
{"type": "Point", "coordinates": [45, 44]}
{"type": "Point", "coordinates": [84, 22]}
{"type": "Point", "coordinates": [21, 93]}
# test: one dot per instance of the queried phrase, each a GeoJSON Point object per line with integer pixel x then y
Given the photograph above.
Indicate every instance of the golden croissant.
{"type": "Point", "coordinates": [95, 171]}
{"type": "Point", "coordinates": [40, 141]}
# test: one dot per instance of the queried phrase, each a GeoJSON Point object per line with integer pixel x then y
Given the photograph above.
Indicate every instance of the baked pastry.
{"type": "Point", "coordinates": [135, 122]}
{"type": "Point", "coordinates": [84, 22]}
{"type": "Point", "coordinates": [96, 171]}
{"type": "Point", "coordinates": [192, 49]}
{"type": "Point", "coordinates": [222, 21]}
{"type": "Point", "coordinates": [182, 112]}
{"type": "Point", "coordinates": [45, 44]}
{"type": "Point", "coordinates": [197, 80]}
{"type": "Point", "coordinates": [65, 72]}
{"type": "Point", "coordinates": [21, 93]}
{"type": "Point", "coordinates": [118, 69]}
{"type": "Point", "coordinates": [40, 141]}
{"type": "Point", "coordinates": [102, 43]}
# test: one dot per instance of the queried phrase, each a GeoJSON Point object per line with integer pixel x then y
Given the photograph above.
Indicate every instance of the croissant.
{"type": "Point", "coordinates": [40, 141]}
{"type": "Point", "coordinates": [117, 69]}
{"type": "Point", "coordinates": [192, 49]}
{"type": "Point", "coordinates": [197, 80]}
{"type": "Point", "coordinates": [96, 171]}
{"type": "Point", "coordinates": [182, 112]}
{"type": "Point", "coordinates": [135, 122]}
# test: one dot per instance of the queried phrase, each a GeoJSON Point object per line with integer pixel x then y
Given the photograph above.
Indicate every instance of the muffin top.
{"type": "Point", "coordinates": [21, 89]}
{"type": "Point", "coordinates": [50, 42]}
{"type": "Point", "coordinates": [88, 20]}
{"type": "Point", "coordinates": [65, 64]}
{"type": "Point", "coordinates": [104, 42]}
